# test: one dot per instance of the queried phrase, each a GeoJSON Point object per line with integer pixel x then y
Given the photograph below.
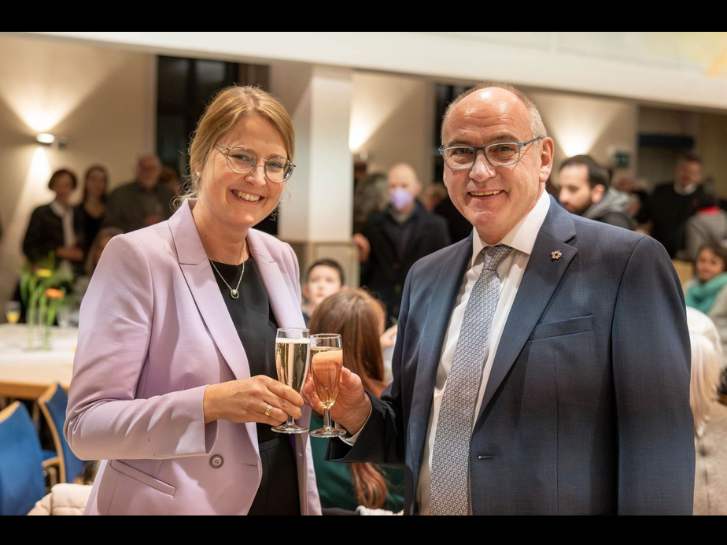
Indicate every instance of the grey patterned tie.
{"type": "Point", "coordinates": [450, 453]}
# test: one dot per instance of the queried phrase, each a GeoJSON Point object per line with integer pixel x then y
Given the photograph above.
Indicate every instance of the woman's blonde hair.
{"type": "Point", "coordinates": [705, 368]}
{"type": "Point", "coordinates": [222, 113]}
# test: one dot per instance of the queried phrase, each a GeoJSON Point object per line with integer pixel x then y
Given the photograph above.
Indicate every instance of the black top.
{"type": "Point", "coordinates": [256, 325]}
{"type": "Point", "coordinates": [89, 224]}
{"type": "Point", "coordinates": [395, 247]}
{"type": "Point", "coordinates": [669, 212]}
{"type": "Point", "coordinates": [45, 233]}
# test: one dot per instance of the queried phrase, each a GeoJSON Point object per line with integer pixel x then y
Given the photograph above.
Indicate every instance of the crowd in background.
{"type": "Point", "coordinates": [396, 221]}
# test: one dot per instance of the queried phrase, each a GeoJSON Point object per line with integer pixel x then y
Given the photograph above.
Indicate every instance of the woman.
{"type": "Point", "coordinates": [710, 417]}
{"type": "Point", "coordinates": [173, 377]}
{"type": "Point", "coordinates": [359, 318]}
{"type": "Point", "coordinates": [55, 228]}
{"type": "Point", "coordinates": [92, 209]}
{"type": "Point", "coordinates": [706, 291]}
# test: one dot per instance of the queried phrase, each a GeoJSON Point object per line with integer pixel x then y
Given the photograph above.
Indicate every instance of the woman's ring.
{"type": "Point", "coordinates": [268, 409]}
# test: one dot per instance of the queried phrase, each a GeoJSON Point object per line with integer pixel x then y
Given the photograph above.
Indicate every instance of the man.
{"type": "Point", "coordinates": [672, 203]}
{"type": "Point", "coordinates": [585, 191]}
{"type": "Point", "coordinates": [549, 373]}
{"type": "Point", "coordinates": [404, 232]}
{"type": "Point", "coordinates": [141, 202]}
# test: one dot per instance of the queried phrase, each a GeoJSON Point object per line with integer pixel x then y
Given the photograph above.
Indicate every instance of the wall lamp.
{"type": "Point", "coordinates": [48, 139]}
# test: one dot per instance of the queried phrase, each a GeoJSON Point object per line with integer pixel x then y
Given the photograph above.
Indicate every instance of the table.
{"type": "Point", "coordinates": [26, 374]}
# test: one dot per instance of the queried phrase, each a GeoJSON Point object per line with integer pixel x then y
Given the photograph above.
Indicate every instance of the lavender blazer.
{"type": "Point", "coordinates": [154, 331]}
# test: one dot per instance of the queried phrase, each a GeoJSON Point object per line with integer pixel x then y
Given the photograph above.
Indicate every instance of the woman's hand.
{"type": "Point", "coordinates": [352, 406]}
{"type": "Point", "coordinates": [388, 337]}
{"type": "Point", "coordinates": [248, 400]}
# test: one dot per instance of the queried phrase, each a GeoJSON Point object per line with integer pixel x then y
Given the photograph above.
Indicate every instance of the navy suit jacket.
{"type": "Point", "coordinates": [586, 410]}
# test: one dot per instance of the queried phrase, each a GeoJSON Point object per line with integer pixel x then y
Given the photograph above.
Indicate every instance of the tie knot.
{"type": "Point", "coordinates": [494, 256]}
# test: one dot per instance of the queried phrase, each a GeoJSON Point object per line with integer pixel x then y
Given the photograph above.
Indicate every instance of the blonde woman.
{"type": "Point", "coordinates": [710, 417]}
{"type": "Point", "coordinates": [173, 381]}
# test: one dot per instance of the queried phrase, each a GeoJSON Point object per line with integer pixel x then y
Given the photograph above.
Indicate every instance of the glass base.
{"type": "Point", "coordinates": [328, 432]}
{"type": "Point", "coordinates": [289, 428]}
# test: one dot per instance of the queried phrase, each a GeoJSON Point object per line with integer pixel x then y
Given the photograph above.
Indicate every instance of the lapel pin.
{"type": "Point", "coordinates": [555, 255]}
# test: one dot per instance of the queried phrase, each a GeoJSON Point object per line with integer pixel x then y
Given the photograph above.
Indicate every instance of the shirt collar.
{"type": "Point", "coordinates": [58, 209]}
{"type": "Point", "coordinates": [691, 188]}
{"type": "Point", "coordinates": [522, 236]}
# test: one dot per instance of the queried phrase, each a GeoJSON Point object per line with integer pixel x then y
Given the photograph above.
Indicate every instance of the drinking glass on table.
{"type": "Point", "coordinates": [292, 356]}
{"type": "Point", "coordinates": [12, 312]}
{"type": "Point", "coordinates": [325, 368]}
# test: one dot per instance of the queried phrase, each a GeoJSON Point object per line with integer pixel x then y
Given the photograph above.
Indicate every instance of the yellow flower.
{"type": "Point", "coordinates": [52, 293]}
{"type": "Point", "coordinates": [43, 273]}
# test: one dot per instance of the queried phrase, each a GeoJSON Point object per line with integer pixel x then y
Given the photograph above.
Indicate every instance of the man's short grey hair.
{"type": "Point", "coordinates": [536, 121]}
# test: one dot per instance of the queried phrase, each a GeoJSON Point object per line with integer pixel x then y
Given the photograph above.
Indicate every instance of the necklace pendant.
{"type": "Point", "coordinates": [234, 293]}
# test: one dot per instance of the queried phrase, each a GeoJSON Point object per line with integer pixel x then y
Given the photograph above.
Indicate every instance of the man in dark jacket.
{"type": "Point", "coordinates": [585, 191]}
{"type": "Point", "coordinates": [404, 232]}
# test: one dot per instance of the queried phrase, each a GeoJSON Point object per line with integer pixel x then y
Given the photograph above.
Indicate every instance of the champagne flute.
{"type": "Point", "coordinates": [292, 357]}
{"type": "Point", "coordinates": [12, 312]}
{"type": "Point", "coordinates": [325, 367]}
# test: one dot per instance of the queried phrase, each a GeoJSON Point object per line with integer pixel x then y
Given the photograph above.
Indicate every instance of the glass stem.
{"type": "Point", "coordinates": [327, 419]}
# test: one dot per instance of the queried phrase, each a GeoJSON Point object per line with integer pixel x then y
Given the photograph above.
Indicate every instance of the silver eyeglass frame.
{"type": "Point", "coordinates": [289, 165]}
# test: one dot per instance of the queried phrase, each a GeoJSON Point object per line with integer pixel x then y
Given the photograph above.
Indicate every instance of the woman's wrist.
{"type": "Point", "coordinates": [209, 404]}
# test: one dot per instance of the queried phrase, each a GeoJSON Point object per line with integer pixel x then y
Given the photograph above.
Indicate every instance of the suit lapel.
{"type": "Point", "coordinates": [200, 279]}
{"type": "Point", "coordinates": [541, 278]}
{"type": "Point", "coordinates": [445, 287]}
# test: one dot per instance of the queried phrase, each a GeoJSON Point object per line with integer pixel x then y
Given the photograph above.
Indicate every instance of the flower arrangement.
{"type": "Point", "coordinates": [42, 289]}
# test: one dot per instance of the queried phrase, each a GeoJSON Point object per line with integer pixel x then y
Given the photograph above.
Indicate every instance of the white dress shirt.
{"type": "Point", "coordinates": [66, 215]}
{"type": "Point", "coordinates": [522, 239]}
{"type": "Point", "coordinates": [510, 271]}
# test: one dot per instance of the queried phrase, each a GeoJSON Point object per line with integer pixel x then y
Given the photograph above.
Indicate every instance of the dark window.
{"type": "Point", "coordinates": [184, 88]}
{"type": "Point", "coordinates": [444, 95]}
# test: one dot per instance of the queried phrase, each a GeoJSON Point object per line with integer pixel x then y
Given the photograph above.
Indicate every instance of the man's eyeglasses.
{"type": "Point", "coordinates": [499, 154]}
{"type": "Point", "coordinates": [240, 161]}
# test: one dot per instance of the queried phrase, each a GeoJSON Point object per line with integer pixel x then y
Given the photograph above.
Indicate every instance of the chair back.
{"type": "Point", "coordinates": [21, 470]}
{"type": "Point", "coordinates": [53, 404]}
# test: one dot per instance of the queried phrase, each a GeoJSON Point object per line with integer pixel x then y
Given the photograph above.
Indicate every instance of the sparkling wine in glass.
{"type": "Point", "coordinates": [325, 368]}
{"type": "Point", "coordinates": [292, 356]}
{"type": "Point", "coordinates": [12, 312]}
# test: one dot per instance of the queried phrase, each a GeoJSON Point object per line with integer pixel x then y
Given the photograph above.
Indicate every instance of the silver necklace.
{"type": "Point", "coordinates": [234, 292]}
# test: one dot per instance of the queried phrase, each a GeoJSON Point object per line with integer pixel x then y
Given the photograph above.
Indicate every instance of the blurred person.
{"type": "Point", "coordinates": [707, 226]}
{"type": "Point", "coordinates": [169, 178]}
{"type": "Point", "coordinates": [710, 417]}
{"type": "Point", "coordinates": [92, 208]}
{"type": "Point", "coordinates": [174, 382]}
{"type": "Point", "coordinates": [105, 234]}
{"type": "Point", "coordinates": [359, 319]}
{"type": "Point", "coordinates": [56, 228]}
{"type": "Point", "coordinates": [706, 291]}
{"type": "Point", "coordinates": [671, 204]}
{"type": "Point", "coordinates": [397, 237]}
{"type": "Point", "coordinates": [141, 202]}
{"type": "Point", "coordinates": [527, 354]}
{"type": "Point", "coordinates": [638, 197]}
{"type": "Point", "coordinates": [324, 277]}
{"type": "Point", "coordinates": [432, 195]}
{"type": "Point", "coordinates": [370, 196]}
{"type": "Point", "coordinates": [584, 190]}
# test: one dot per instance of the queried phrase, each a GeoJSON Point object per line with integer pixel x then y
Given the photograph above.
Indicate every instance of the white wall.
{"type": "Point", "coordinates": [101, 99]}
{"type": "Point", "coordinates": [585, 125]}
{"type": "Point", "coordinates": [678, 68]}
{"type": "Point", "coordinates": [392, 120]}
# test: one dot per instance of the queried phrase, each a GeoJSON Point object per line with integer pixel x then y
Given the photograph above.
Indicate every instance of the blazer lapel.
{"type": "Point", "coordinates": [282, 297]}
{"type": "Point", "coordinates": [540, 280]}
{"type": "Point", "coordinates": [200, 279]}
{"type": "Point", "coordinates": [438, 311]}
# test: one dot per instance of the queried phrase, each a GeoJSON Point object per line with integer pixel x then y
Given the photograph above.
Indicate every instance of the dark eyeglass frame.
{"type": "Point", "coordinates": [227, 151]}
{"type": "Point", "coordinates": [476, 149]}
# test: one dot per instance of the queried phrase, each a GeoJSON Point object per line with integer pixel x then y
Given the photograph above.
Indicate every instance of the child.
{"type": "Point", "coordinates": [323, 278]}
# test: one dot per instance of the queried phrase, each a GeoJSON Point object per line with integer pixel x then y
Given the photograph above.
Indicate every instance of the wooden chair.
{"type": "Point", "coordinates": [53, 405]}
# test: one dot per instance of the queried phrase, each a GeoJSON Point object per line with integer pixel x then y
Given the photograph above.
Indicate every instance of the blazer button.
{"type": "Point", "coordinates": [484, 457]}
{"type": "Point", "coordinates": [216, 461]}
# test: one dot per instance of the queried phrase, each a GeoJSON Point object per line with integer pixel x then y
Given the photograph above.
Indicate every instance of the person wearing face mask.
{"type": "Point", "coordinates": [397, 237]}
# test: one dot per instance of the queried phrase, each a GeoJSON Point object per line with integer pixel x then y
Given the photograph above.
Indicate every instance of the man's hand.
{"type": "Point", "coordinates": [352, 405]}
{"type": "Point", "coordinates": [363, 247]}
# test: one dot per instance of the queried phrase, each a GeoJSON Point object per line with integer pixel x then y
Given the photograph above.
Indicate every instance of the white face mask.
{"type": "Point", "coordinates": [400, 198]}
